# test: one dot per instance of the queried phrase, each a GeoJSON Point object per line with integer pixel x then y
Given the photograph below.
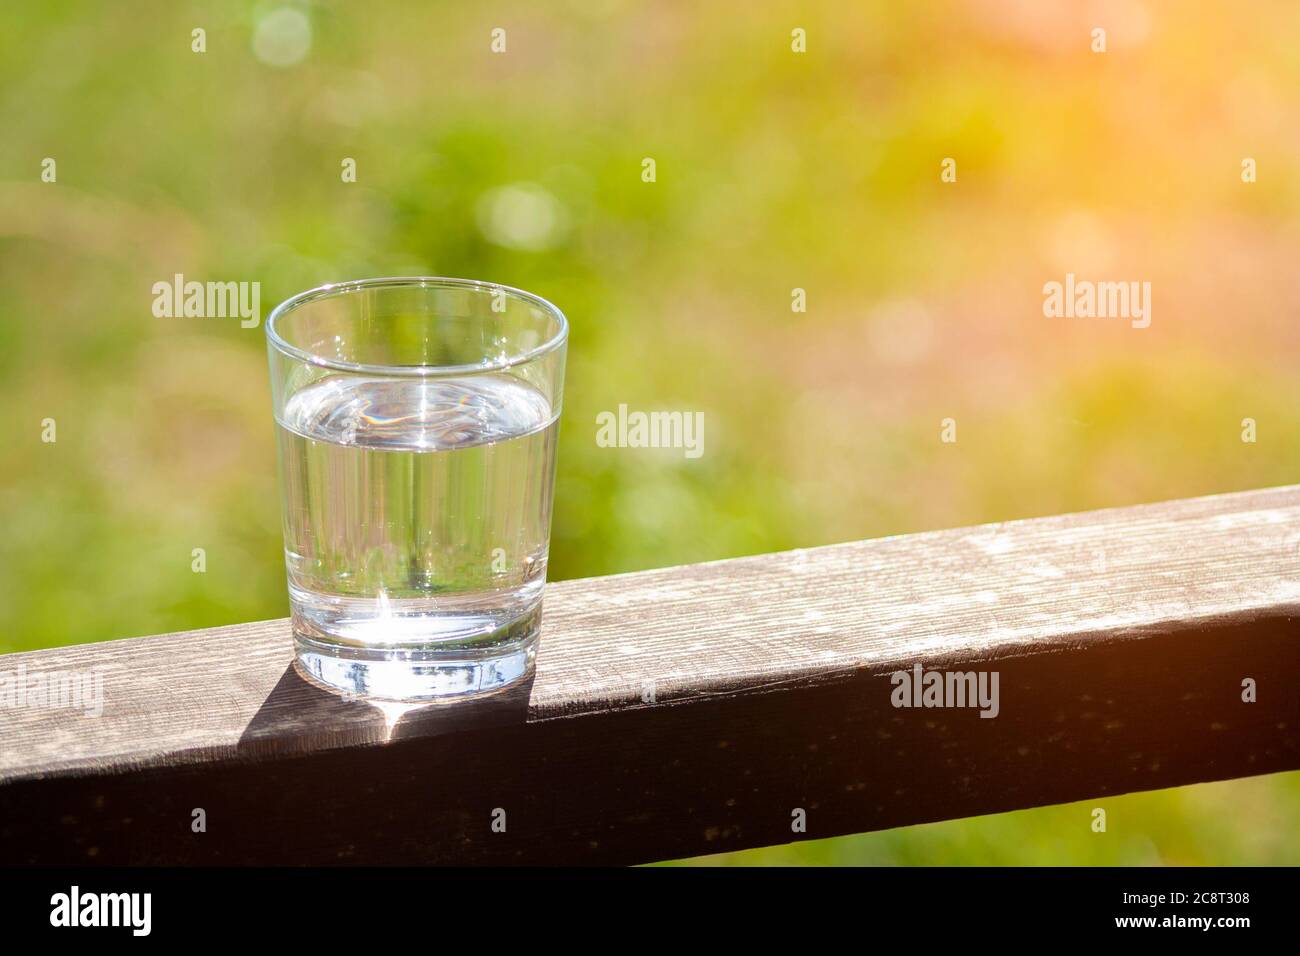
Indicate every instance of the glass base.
{"type": "Point", "coordinates": [449, 647]}
{"type": "Point", "coordinates": [415, 675]}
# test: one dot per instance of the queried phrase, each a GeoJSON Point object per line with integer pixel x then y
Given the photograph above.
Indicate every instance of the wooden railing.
{"type": "Point", "coordinates": [704, 708]}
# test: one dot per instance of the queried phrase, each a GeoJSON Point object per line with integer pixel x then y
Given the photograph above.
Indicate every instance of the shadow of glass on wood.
{"type": "Point", "coordinates": [299, 717]}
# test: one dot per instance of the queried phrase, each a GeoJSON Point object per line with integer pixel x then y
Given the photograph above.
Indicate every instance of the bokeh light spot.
{"type": "Point", "coordinates": [522, 216]}
{"type": "Point", "coordinates": [282, 37]}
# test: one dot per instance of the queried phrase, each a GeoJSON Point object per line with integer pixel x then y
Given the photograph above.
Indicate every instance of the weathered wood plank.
{"type": "Point", "coordinates": [1120, 637]}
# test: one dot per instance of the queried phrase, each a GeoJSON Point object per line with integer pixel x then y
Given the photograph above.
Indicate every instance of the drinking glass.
{"type": "Point", "coordinates": [417, 421]}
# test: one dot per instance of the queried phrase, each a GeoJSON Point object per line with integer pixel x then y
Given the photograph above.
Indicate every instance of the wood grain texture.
{"type": "Point", "coordinates": [1121, 638]}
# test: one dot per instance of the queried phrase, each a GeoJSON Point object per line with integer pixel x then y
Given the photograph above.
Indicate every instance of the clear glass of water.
{"type": "Point", "coordinates": [417, 421]}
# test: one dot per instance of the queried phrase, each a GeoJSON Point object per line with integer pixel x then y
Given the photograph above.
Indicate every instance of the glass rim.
{"type": "Point", "coordinates": [352, 285]}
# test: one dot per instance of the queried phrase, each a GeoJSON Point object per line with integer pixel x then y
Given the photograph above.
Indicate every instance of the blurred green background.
{"type": "Point", "coordinates": [775, 170]}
